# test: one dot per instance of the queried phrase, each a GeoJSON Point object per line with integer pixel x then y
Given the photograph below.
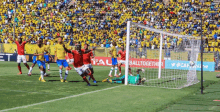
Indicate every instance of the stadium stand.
{"type": "Point", "coordinates": [100, 22]}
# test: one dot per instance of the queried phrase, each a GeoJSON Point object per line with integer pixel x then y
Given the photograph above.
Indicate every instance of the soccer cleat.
{"type": "Point", "coordinates": [46, 75]}
{"type": "Point", "coordinates": [109, 80]}
{"type": "Point", "coordinates": [89, 84]}
{"type": "Point", "coordinates": [119, 74]}
{"type": "Point", "coordinates": [48, 70]}
{"type": "Point", "coordinates": [39, 78]}
{"type": "Point", "coordinates": [29, 74]}
{"type": "Point", "coordinates": [19, 73]}
{"type": "Point", "coordinates": [110, 75]}
{"type": "Point", "coordinates": [61, 80]}
{"type": "Point", "coordinates": [94, 81]}
{"type": "Point", "coordinates": [116, 75]}
{"type": "Point", "coordinates": [65, 80]}
{"type": "Point", "coordinates": [70, 68]}
{"type": "Point", "coordinates": [43, 80]}
{"type": "Point", "coordinates": [105, 80]}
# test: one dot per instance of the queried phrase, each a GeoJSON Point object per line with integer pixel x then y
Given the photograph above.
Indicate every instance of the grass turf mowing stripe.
{"type": "Point", "coordinates": [58, 99]}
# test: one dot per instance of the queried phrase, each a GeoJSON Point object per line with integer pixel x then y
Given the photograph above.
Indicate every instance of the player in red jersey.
{"type": "Point", "coordinates": [20, 49]}
{"type": "Point", "coordinates": [69, 58]}
{"type": "Point", "coordinates": [87, 62]}
{"type": "Point", "coordinates": [122, 52]}
{"type": "Point", "coordinates": [78, 61]}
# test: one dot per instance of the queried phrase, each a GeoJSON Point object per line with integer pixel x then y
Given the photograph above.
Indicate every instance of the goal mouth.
{"type": "Point", "coordinates": [169, 60]}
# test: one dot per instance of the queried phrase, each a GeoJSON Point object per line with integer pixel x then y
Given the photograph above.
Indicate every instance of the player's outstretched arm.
{"type": "Point", "coordinates": [67, 50]}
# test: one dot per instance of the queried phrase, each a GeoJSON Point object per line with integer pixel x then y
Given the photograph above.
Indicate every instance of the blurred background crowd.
{"type": "Point", "coordinates": [100, 22]}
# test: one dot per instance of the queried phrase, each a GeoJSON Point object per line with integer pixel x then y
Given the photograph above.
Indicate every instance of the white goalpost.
{"type": "Point", "coordinates": [168, 60]}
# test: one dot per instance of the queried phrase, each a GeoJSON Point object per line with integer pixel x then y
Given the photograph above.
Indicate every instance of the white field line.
{"type": "Point", "coordinates": [59, 99]}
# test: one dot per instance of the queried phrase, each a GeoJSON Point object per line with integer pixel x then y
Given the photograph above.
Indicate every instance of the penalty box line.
{"type": "Point", "coordinates": [59, 99]}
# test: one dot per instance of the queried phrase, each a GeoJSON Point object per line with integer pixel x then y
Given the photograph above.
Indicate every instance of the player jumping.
{"type": "Point", "coordinates": [122, 52]}
{"type": "Point", "coordinates": [60, 58]}
{"type": "Point", "coordinates": [21, 56]}
{"type": "Point", "coordinates": [113, 52]}
{"type": "Point", "coordinates": [83, 71]}
{"type": "Point", "coordinates": [87, 62]}
{"type": "Point", "coordinates": [40, 59]}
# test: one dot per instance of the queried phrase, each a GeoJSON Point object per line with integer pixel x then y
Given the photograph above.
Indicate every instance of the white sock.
{"type": "Point", "coordinates": [42, 75]}
{"type": "Point", "coordinates": [48, 66]}
{"type": "Point", "coordinates": [66, 74]}
{"type": "Point", "coordinates": [116, 68]}
{"type": "Point", "coordinates": [30, 70]}
{"type": "Point", "coordinates": [111, 71]}
{"type": "Point", "coordinates": [45, 74]}
{"type": "Point", "coordinates": [61, 74]}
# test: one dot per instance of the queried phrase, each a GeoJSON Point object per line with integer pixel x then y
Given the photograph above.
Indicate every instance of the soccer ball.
{"type": "Point", "coordinates": [142, 70]}
{"type": "Point", "coordinates": [191, 63]}
{"type": "Point", "coordinates": [143, 79]}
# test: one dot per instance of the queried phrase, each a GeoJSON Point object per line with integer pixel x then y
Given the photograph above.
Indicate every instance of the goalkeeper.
{"type": "Point", "coordinates": [131, 79]}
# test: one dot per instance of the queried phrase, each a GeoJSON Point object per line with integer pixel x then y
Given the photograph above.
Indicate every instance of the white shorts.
{"type": "Point", "coordinates": [81, 70]}
{"type": "Point", "coordinates": [88, 65]}
{"type": "Point", "coordinates": [70, 60]}
{"type": "Point", "coordinates": [21, 58]}
{"type": "Point", "coordinates": [122, 61]}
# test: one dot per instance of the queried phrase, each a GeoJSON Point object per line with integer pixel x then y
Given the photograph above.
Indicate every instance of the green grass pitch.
{"type": "Point", "coordinates": [22, 93]}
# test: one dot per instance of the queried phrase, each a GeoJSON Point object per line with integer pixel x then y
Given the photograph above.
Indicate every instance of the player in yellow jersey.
{"type": "Point", "coordinates": [47, 56]}
{"type": "Point", "coordinates": [60, 58]}
{"type": "Point", "coordinates": [113, 53]}
{"type": "Point", "coordinates": [40, 49]}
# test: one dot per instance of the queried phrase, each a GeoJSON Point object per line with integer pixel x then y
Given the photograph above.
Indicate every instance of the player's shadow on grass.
{"type": "Point", "coordinates": [76, 81]}
{"type": "Point", "coordinates": [54, 70]}
{"type": "Point", "coordinates": [53, 76]}
{"type": "Point", "coordinates": [35, 74]}
{"type": "Point", "coordinates": [53, 80]}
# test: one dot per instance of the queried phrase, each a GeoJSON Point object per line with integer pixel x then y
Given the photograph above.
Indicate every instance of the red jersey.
{"type": "Point", "coordinates": [78, 58]}
{"type": "Point", "coordinates": [20, 47]}
{"type": "Point", "coordinates": [70, 55]}
{"type": "Point", "coordinates": [87, 57]}
{"type": "Point", "coordinates": [123, 54]}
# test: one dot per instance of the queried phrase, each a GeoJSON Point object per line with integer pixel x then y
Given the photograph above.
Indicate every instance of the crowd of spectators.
{"type": "Point", "coordinates": [99, 22]}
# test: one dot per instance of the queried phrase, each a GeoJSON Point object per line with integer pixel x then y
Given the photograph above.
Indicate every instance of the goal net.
{"type": "Point", "coordinates": [163, 59]}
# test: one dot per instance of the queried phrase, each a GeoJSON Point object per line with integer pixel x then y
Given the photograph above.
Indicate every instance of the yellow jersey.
{"type": "Point", "coordinates": [47, 47]}
{"type": "Point", "coordinates": [114, 52]}
{"type": "Point", "coordinates": [60, 52]}
{"type": "Point", "coordinates": [40, 50]}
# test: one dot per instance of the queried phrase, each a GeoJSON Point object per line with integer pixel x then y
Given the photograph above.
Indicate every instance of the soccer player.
{"type": "Point", "coordinates": [113, 53]}
{"type": "Point", "coordinates": [60, 58]}
{"type": "Point", "coordinates": [83, 71]}
{"type": "Point", "coordinates": [40, 59]}
{"type": "Point", "coordinates": [122, 53]}
{"type": "Point", "coordinates": [131, 79]}
{"type": "Point", "coordinates": [87, 62]}
{"type": "Point", "coordinates": [47, 56]}
{"type": "Point", "coordinates": [21, 56]}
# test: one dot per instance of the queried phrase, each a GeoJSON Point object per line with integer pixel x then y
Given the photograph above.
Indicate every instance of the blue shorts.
{"type": "Point", "coordinates": [62, 63]}
{"type": "Point", "coordinates": [114, 61]}
{"type": "Point", "coordinates": [41, 63]}
{"type": "Point", "coordinates": [34, 60]}
{"type": "Point", "coordinates": [46, 58]}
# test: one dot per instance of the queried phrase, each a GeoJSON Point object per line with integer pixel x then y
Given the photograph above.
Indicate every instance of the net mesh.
{"type": "Point", "coordinates": [179, 55]}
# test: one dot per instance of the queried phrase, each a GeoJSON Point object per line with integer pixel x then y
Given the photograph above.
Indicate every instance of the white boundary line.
{"type": "Point", "coordinates": [59, 99]}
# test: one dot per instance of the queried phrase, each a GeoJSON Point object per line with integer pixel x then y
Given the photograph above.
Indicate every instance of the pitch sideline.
{"type": "Point", "coordinates": [59, 99]}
